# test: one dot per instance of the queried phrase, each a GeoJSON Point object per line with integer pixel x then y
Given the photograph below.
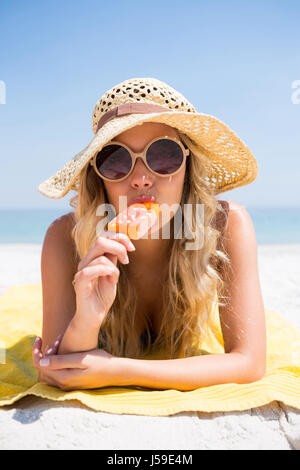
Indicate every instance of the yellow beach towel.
{"type": "Point", "coordinates": [21, 322]}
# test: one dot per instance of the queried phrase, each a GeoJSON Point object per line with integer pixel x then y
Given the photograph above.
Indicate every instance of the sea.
{"type": "Point", "coordinates": [272, 225]}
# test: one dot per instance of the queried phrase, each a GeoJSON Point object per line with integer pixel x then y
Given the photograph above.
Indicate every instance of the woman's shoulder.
{"type": "Point", "coordinates": [221, 216]}
{"type": "Point", "coordinates": [62, 225]}
{"type": "Point", "coordinates": [230, 212]}
{"type": "Point", "coordinates": [59, 232]}
{"type": "Point", "coordinates": [238, 227]}
{"type": "Point", "coordinates": [237, 238]}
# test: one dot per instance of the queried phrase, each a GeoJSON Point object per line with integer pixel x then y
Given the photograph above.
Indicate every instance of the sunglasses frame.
{"type": "Point", "coordinates": [142, 155]}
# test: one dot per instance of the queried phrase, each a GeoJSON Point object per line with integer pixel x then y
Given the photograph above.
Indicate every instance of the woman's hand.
{"type": "Point", "coordinates": [97, 276]}
{"type": "Point", "coordinates": [49, 350]}
{"type": "Point", "coordinates": [90, 369]}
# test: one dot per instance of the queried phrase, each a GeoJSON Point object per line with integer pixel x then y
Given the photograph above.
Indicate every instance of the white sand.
{"type": "Point", "coordinates": [44, 424]}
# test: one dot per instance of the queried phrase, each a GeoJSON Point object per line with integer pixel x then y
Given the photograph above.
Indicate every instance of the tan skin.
{"type": "Point", "coordinates": [76, 363]}
{"type": "Point", "coordinates": [149, 261]}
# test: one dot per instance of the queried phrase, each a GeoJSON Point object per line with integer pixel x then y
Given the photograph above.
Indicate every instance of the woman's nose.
{"type": "Point", "coordinates": [141, 176]}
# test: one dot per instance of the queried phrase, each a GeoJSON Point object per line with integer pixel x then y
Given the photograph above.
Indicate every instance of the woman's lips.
{"type": "Point", "coordinates": [143, 199]}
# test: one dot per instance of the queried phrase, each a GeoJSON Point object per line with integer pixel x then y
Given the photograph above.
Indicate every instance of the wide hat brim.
{"type": "Point", "coordinates": [231, 163]}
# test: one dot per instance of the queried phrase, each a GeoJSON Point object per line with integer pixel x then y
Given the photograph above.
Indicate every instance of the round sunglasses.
{"type": "Point", "coordinates": [163, 156]}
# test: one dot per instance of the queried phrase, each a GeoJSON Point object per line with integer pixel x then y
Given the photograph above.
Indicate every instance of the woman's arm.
{"type": "Point", "coordinates": [94, 369]}
{"type": "Point", "coordinates": [79, 336]}
{"type": "Point", "coordinates": [242, 322]}
{"type": "Point", "coordinates": [243, 319]}
{"type": "Point", "coordinates": [188, 373]}
{"type": "Point", "coordinates": [58, 266]}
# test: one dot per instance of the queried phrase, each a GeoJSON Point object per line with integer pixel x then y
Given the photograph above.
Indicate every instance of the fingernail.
{"type": "Point", "coordinates": [131, 245]}
{"type": "Point", "coordinates": [126, 260]}
{"type": "Point", "coordinates": [44, 362]}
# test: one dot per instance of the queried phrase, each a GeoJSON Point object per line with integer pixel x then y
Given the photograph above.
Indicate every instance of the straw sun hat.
{"type": "Point", "coordinates": [230, 162]}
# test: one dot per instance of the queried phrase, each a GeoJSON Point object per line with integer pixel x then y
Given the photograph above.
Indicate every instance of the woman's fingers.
{"type": "Point", "coordinates": [36, 352]}
{"type": "Point", "coordinates": [48, 380]}
{"type": "Point", "coordinates": [90, 273]}
{"type": "Point", "coordinates": [111, 243]}
{"type": "Point", "coordinates": [107, 262]}
{"type": "Point", "coordinates": [65, 379]}
{"type": "Point", "coordinates": [119, 237]}
{"type": "Point", "coordinates": [62, 361]}
{"type": "Point", "coordinates": [53, 349]}
{"type": "Point", "coordinates": [102, 260]}
{"type": "Point", "coordinates": [55, 377]}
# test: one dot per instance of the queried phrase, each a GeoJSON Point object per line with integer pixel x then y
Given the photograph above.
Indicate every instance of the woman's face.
{"type": "Point", "coordinates": [166, 190]}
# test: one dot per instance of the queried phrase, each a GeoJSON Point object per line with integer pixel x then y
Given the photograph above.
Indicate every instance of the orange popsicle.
{"type": "Point", "coordinates": [136, 220]}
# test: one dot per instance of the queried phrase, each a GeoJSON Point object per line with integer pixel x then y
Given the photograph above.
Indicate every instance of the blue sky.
{"type": "Point", "coordinates": [236, 60]}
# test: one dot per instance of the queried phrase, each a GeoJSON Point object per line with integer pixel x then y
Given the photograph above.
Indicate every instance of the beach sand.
{"type": "Point", "coordinates": [44, 424]}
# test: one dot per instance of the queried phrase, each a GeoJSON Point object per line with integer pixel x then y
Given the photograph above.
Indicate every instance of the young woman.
{"type": "Point", "coordinates": [108, 301]}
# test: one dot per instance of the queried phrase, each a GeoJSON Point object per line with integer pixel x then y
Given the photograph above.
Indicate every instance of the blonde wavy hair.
{"type": "Point", "coordinates": [193, 281]}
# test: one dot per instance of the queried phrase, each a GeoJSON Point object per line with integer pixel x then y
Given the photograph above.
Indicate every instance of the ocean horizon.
{"type": "Point", "coordinates": [273, 225]}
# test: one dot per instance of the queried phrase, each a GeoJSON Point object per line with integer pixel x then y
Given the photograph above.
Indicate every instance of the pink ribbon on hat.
{"type": "Point", "coordinates": [130, 108]}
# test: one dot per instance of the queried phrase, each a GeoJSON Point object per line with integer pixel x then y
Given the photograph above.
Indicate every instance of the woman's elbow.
{"type": "Point", "coordinates": [254, 377]}
{"type": "Point", "coordinates": [255, 372]}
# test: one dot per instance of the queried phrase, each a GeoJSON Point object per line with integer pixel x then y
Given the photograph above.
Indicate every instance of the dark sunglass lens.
{"type": "Point", "coordinates": [164, 156]}
{"type": "Point", "coordinates": [113, 162]}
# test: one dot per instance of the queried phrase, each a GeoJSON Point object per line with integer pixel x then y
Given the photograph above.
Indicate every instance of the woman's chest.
{"type": "Point", "coordinates": [149, 310]}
